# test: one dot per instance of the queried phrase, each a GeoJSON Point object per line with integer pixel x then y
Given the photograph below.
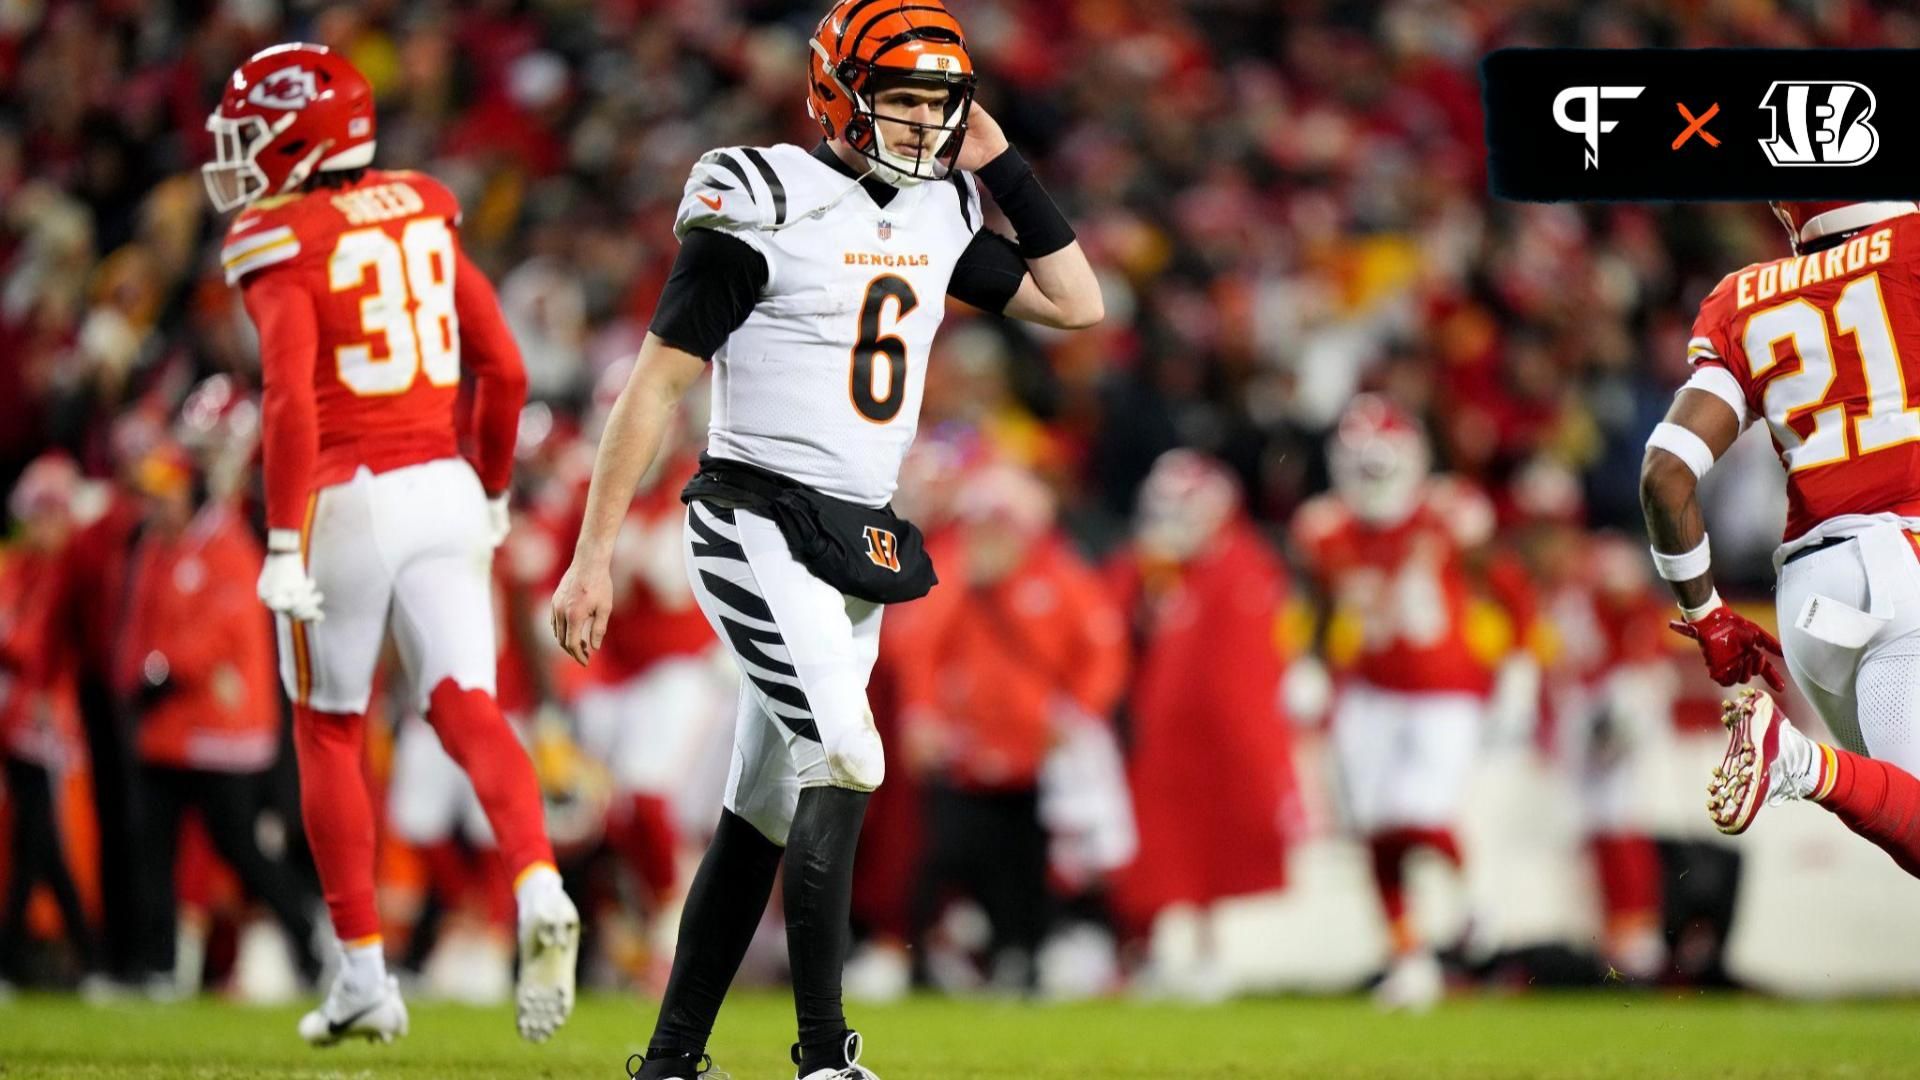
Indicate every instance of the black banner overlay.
{"type": "Point", "coordinates": [1703, 124]}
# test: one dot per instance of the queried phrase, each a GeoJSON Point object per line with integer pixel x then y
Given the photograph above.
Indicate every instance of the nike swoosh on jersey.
{"type": "Point", "coordinates": [713, 203]}
{"type": "Point", "coordinates": [339, 1027]}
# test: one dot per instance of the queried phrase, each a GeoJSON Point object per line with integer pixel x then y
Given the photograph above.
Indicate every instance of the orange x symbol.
{"type": "Point", "coordinates": [1697, 125]}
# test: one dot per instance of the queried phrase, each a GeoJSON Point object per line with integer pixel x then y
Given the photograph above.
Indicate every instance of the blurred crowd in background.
{"type": "Point", "coordinates": [1287, 203]}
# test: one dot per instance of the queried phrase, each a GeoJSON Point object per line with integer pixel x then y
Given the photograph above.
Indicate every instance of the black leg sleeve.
{"type": "Point", "coordinates": [818, 890]}
{"type": "Point", "coordinates": [724, 905]}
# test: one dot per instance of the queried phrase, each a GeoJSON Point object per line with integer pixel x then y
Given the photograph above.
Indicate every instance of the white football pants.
{"type": "Point", "coordinates": [1868, 693]}
{"type": "Point", "coordinates": [407, 549]}
{"type": "Point", "coordinates": [805, 652]}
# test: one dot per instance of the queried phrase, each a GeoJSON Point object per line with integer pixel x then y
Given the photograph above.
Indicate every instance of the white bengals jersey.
{"type": "Point", "coordinates": [822, 382]}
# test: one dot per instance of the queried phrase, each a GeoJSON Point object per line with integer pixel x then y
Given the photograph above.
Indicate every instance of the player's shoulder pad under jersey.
{"type": "Point", "coordinates": [263, 235]}
{"type": "Point", "coordinates": [1461, 508]}
{"type": "Point", "coordinates": [439, 201]}
{"type": "Point", "coordinates": [733, 189]}
{"type": "Point", "coordinates": [967, 186]}
{"type": "Point", "coordinates": [1716, 313]}
{"type": "Point", "coordinates": [1317, 523]}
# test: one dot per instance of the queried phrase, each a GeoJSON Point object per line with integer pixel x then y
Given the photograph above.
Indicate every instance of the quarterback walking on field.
{"type": "Point", "coordinates": [369, 313]}
{"type": "Point", "coordinates": [1825, 347]}
{"type": "Point", "coordinates": [813, 280]}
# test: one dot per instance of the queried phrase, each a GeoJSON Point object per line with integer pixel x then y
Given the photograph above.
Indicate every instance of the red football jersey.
{"type": "Point", "coordinates": [1826, 348]}
{"type": "Point", "coordinates": [368, 314]}
{"type": "Point", "coordinates": [1405, 613]}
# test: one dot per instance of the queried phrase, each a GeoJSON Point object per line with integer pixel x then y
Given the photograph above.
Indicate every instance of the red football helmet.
{"type": "Point", "coordinates": [289, 111]}
{"type": "Point", "coordinates": [1185, 501]}
{"type": "Point", "coordinates": [863, 46]}
{"type": "Point", "coordinates": [1378, 458]}
{"type": "Point", "coordinates": [1809, 221]}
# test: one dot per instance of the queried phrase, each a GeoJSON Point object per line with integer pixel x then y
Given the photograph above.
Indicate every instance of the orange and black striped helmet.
{"type": "Point", "coordinates": [863, 46]}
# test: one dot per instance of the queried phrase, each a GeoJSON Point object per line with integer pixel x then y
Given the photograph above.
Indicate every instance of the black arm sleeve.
{"type": "Point", "coordinates": [716, 280]}
{"type": "Point", "coordinates": [989, 272]}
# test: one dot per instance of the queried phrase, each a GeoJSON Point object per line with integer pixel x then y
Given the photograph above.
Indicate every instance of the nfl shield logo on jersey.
{"type": "Point", "coordinates": [886, 230]}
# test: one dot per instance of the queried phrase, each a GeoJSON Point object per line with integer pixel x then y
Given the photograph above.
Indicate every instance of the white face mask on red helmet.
{"type": "Point", "coordinates": [1806, 222]}
{"type": "Point", "coordinates": [1186, 500]}
{"type": "Point", "coordinates": [1379, 460]}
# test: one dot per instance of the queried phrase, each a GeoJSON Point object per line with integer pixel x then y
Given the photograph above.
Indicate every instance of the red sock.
{"type": "Point", "coordinates": [498, 887]}
{"type": "Point", "coordinates": [338, 815]}
{"type": "Point", "coordinates": [1629, 870]}
{"type": "Point", "coordinates": [1874, 799]}
{"type": "Point", "coordinates": [477, 737]}
{"type": "Point", "coordinates": [1437, 840]}
{"type": "Point", "coordinates": [646, 838]}
{"type": "Point", "coordinates": [1389, 850]}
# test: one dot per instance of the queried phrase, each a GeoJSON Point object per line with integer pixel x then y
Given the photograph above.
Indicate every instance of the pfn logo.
{"type": "Point", "coordinates": [1825, 123]}
{"type": "Point", "coordinates": [1589, 125]}
{"type": "Point", "coordinates": [883, 548]}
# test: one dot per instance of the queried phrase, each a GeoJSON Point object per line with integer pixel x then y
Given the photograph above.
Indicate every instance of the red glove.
{"type": "Point", "coordinates": [1736, 647]}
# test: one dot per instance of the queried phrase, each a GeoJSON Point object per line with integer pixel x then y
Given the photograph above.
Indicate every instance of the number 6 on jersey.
{"type": "Point", "coordinates": [878, 380]}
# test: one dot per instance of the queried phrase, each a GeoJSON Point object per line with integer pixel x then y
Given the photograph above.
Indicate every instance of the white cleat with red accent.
{"type": "Point", "coordinates": [1743, 779]}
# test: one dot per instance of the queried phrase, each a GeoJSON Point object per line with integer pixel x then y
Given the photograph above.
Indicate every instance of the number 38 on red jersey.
{"type": "Point", "coordinates": [376, 262]}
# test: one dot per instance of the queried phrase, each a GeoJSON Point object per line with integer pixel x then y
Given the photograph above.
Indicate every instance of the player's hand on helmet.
{"type": "Point", "coordinates": [581, 605]}
{"type": "Point", "coordinates": [1736, 648]}
{"type": "Point", "coordinates": [985, 140]}
{"type": "Point", "coordinates": [499, 520]}
{"type": "Point", "coordinates": [286, 587]}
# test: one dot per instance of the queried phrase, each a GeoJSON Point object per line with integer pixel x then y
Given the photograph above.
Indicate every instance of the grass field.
{"type": "Point", "coordinates": [1613, 1035]}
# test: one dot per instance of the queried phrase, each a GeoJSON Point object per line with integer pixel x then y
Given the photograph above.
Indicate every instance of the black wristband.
{"type": "Point", "coordinates": [1041, 228]}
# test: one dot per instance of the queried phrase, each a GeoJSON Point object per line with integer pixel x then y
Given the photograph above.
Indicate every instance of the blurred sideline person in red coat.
{"type": "Point", "coordinates": [40, 738]}
{"type": "Point", "coordinates": [1210, 759]}
{"type": "Point", "coordinates": [1022, 647]}
{"type": "Point", "coordinates": [196, 665]}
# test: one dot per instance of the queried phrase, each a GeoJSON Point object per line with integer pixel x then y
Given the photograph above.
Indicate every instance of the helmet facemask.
{"type": "Point", "coordinates": [233, 178]}
{"type": "Point", "coordinates": [1380, 476]}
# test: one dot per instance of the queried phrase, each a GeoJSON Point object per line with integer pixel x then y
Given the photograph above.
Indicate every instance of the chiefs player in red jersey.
{"type": "Point", "coordinates": [369, 314]}
{"type": "Point", "coordinates": [1415, 645]}
{"type": "Point", "coordinates": [1824, 346]}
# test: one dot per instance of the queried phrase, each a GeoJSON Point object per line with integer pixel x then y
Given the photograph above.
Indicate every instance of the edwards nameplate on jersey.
{"type": "Point", "coordinates": [1703, 124]}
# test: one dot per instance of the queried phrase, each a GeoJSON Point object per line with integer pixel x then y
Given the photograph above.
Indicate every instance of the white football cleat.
{"type": "Point", "coordinates": [373, 1013]}
{"type": "Point", "coordinates": [1414, 984]}
{"type": "Point", "coordinates": [1741, 781]}
{"type": "Point", "coordinates": [853, 1070]}
{"type": "Point", "coordinates": [549, 954]}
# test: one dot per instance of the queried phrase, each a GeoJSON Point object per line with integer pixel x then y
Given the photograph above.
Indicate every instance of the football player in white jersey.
{"type": "Point", "coordinates": [813, 280]}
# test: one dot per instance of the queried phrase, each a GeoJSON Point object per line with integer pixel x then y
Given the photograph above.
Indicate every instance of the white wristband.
{"type": "Point", "coordinates": [283, 541]}
{"type": "Point", "coordinates": [1692, 614]}
{"type": "Point", "coordinates": [1683, 444]}
{"type": "Point", "coordinates": [1685, 566]}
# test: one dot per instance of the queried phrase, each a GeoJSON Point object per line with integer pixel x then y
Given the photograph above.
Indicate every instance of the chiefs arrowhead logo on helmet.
{"type": "Point", "coordinates": [288, 88]}
{"type": "Point", "coordinates": [865, 46]}
{"type": "Point", "coordinates": [288, 112]}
